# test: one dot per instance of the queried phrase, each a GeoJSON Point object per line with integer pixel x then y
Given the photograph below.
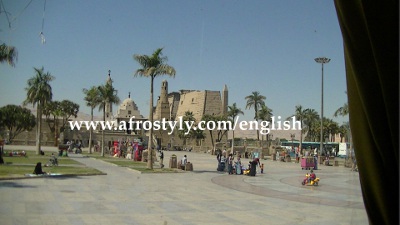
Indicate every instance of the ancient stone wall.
{"type": "Point", "coordinates": [213, 103]}
{"type": "Point", "coordinates": [194, 102]}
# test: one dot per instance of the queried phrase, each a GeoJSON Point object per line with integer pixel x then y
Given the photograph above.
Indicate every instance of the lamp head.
{"type": "Point", "coordinates": [322, 60]}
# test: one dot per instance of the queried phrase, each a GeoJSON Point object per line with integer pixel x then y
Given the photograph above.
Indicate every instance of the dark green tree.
{"type": "Point", "coordinates": [8, 54]}
{"type": "Point", "coordinates": [17, 120]}
{"type": "Point", "coordinates": [56, 111]}
{"type": "Point", "coordinates": [186, 134]}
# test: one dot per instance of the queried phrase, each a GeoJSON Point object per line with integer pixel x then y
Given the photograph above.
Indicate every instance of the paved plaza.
{"type": "Point", "coordinates": [203, 196]}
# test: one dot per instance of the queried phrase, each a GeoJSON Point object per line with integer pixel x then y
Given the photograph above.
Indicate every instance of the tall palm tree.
{"type": "Point", "coordinates": [92, 98]}
{"type": "Point", "coordinates": [107, 95]}
{"type": "Point", "coordinates": [265, 114]}
{"type": "Point", "coordinates": [233, 112]}
{"type": "Point", "coordinates": [8, 54]}
{"type": "Point", "coordinates": [300, 115]}
{"type": "Point", "coordinates": [39, 92]}
{"type": "Point", "coordinates": [152, 67]}
{"type": "Point", "coordinates": [255, 100]}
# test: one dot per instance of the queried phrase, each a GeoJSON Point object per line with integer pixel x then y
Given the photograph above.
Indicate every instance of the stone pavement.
{"type": "Point", "coordinates": [204, 196]}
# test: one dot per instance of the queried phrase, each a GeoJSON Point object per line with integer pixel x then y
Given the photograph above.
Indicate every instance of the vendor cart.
{"type": "Point", "coordinates": [307, 163]}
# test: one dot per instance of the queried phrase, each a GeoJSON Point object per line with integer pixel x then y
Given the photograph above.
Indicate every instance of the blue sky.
{"type": "Point", "coordinates": [266, 46]}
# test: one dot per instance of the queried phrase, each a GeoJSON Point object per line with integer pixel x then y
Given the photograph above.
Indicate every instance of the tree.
{"type": "Point", "coordinates": [186, 133]}
{"type": "Point", "coordinates": [152, 67]}
{"type": "Point", "coordinates": [17, 120]}
{"type": "Point", "coordinates": [220, 119]}
{"type": "Point", "coordinates": [39, 92]}
{"type": "Point", "coordinates": [330, 127]}
{"type": "Point", "coordinates": [233, 112]}
{"type": "Point", "coordinates": [255, 100]}
{"type": "Point", "coordinates": [59, 110]}
{"type": "Point", "coordinates": [8, 54]}
{"type": "Point", "coordinates": [265, 114]}
{"type": "Point", "coordinates": [207, 118]}
{"type": "Point", "coordinates": [92, 98]}
{"type": "Point", "coordinates": [342, 111]}
{"type": "Point", "coordinates": [107, 95]}
{"type": "Point", "coordinates": [311, 122]}
{"type": "Point", "coordinates": [198, 135]}
{"type": "Point", "coordinates": [300, 115]}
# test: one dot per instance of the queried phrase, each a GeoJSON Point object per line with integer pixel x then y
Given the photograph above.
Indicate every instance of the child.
{"type": "Point", "coordinates": [312, 176]}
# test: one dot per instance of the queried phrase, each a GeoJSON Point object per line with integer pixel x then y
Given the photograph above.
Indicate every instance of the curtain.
{"type": "Point", "coordinates": [371, 50]}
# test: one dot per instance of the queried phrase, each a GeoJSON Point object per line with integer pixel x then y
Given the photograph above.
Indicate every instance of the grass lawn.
{"type": "Point", "coordinates": [18, 166]}
{"type": "Point", "coordinates": [11, 171]}
{"type": "Point", "coordinates": [33, 159]}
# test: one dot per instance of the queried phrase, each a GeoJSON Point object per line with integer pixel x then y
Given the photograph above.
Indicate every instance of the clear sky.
{"type": "Point", "coordinates": [261, 45]}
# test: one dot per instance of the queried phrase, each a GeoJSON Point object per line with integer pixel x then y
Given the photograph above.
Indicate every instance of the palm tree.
{"type": "Point", "coordinates": [233, 112]}
{"type": "Point", "coordinates": [198, 135]}
{"type": "Point", "coordinates": [39, 92]}
{"type": "Point", "coordinates": [330, 127]}
{"type": "Point", "coordinates": [186, 133]}
{"type": "Point", "coordinates": [92, 98]}
{"type": "Point", "coordinates": [311, 120]}
{"type": "Point", "coordinates": [342, 111]}
{"type": "Point", "coordinates": [265, 114]}
{"type": "Point", "coordinates": [8, 54]}
{"type": "Point", "coordinates": [300, 115]}
{"type": "Point", "coordinates": [152, 67]}
{"type": "Point", "coordinates": [255, 100]}
{"type": "Point", "coordinates": [107, 95]}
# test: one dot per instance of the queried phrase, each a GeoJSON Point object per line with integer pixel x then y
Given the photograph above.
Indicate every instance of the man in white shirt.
{"type": "Point", "coordinates": [183, 162]}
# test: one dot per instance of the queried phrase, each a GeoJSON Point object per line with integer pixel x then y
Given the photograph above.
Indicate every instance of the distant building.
{"type": "Point", "coordinates": [170, 105]}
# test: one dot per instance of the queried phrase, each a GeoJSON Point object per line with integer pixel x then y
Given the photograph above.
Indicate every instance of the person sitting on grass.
{"type": "Point", "coordinates": [38, 169]}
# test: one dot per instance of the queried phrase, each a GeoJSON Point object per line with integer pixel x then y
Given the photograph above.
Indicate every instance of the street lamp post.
{"type": "Point", "coordinates": [322, 60]}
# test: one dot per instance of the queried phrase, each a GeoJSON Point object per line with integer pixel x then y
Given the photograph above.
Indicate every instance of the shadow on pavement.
{"type": "Point", "coordinates": [13, 184]}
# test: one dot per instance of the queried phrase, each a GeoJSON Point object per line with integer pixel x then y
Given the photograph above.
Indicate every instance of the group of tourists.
{"type": "Point", "coordinates": [236, 167]}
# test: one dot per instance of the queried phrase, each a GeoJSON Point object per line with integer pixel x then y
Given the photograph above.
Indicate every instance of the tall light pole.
{"type": "Point", "coordinates": [322, 60]}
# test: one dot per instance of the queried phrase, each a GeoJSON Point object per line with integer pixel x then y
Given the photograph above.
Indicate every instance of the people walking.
{"type": "Point", "coordinates": [230, 164]}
